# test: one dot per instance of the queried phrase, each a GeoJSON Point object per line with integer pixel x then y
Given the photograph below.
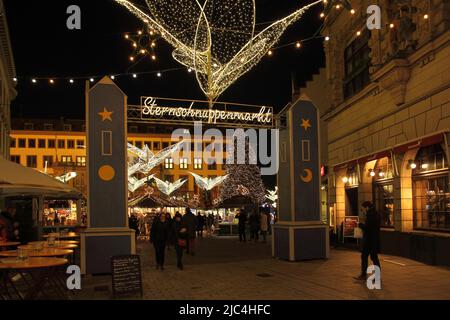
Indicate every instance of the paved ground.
{"type": "Point", "coordinates": [225, 269]}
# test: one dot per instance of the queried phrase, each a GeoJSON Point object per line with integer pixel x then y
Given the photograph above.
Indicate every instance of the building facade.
{"type": "Point", "coordinates": [388, 122]}
{"type": "Point", "coordinates": [7, 83]}
{"type": "Point", "coordinates": [58, 147]}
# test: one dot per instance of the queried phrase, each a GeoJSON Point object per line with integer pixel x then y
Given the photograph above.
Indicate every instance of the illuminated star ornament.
{"type": "Point", "coordinates": [106, 115]}
{"type": "Point", "coordinates": [305, 124]}
{"type": "Point", "coordinates": [214, 38]}
{"type": "Point", "coordinates": [143, 42]}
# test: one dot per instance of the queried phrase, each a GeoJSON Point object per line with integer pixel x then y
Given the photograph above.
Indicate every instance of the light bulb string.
{"type": "Point", "coordinates": [97, 76]}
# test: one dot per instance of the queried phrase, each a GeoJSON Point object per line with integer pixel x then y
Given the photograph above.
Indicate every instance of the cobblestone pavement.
{"type": "Point", "coordinates": [225, 269]}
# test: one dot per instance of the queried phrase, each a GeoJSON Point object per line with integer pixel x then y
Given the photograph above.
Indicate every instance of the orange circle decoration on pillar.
{"type": "Point", "coordinates": [106, 173]}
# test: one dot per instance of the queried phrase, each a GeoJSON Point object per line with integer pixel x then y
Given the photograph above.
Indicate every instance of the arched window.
{"type": "Point", "coordinates": [431, 189]}
{"type": "Point", "coordinates": [383, 190]}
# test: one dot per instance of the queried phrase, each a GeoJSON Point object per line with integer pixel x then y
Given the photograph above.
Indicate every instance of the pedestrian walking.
{"type": "Point", "coordinates": [158, 236]}
{"type": "Point", "coordinates": [264, 224]}
{"type": "Point", "coordinates": [371, 239]}
{"type": "Point", "coordinates": [179, 238]}
{"type": "Point", "coordinates": [190, 222]}
{"type": "Point", "coordinates": [133, 224]}
{"type": "Point", "coordinates": [254, 222]}
{"type": "Point", "coordinates": [200, 224]}
{"type": "Point", "coordinates": [242, 217]}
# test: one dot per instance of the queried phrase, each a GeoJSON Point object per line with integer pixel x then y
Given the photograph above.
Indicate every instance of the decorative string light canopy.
{"type": "Point", "coordinates": [215, 39]}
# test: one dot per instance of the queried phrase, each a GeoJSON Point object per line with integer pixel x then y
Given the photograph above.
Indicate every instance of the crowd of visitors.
{"type": "Point", "coordinates": [258, 223]}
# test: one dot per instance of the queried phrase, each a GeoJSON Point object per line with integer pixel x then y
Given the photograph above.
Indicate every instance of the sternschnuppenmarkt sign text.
{"type": "Point", "coordinates": [172, 110]}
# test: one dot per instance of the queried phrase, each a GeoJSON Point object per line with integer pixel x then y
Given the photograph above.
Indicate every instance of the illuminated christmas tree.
{"type": "Point", "coordinates": [243, 179]}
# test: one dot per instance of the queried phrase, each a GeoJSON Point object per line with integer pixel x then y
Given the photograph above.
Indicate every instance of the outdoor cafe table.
{"type": "Point", "coordinates": [46, 246]}
{"type": "Point", "coordinates": [46, 252]}
{"type": "Point", "coordinates": [41, 270]}
{"type": "Point", "coordinates": [58, 242]}
{"type": "Point", "coordinates": [68, 235]}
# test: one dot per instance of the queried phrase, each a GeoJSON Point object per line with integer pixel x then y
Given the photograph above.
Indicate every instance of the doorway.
{"type": "Point", "coordinates": [351, 201]}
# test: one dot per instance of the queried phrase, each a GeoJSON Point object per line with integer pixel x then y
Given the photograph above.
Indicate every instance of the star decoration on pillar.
{"type": "Point", "coordinates": [305, 124]}
{"type": "Point", "coordinates": [106, 115]}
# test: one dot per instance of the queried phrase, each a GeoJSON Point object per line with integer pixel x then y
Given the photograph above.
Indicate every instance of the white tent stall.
{"type": "Point", "coordinates": [19, 181]}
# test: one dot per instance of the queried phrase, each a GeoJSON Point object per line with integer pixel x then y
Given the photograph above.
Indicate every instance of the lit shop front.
{"type": "Point", "coordinates": [409, 186]}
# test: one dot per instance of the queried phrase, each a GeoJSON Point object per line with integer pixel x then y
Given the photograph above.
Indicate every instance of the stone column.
{"type": "Point", "coordinates": [107, 233]}
{"type": "Point", "coordinates": [299, 233]}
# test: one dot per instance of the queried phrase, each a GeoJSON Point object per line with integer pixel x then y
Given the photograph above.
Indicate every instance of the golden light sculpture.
{"type": "Point", "coordinates": [215, 39]}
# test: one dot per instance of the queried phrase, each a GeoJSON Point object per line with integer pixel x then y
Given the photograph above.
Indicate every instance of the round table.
{"type": "Point", "coordinates": [46, 252]}
{"type": "Point", "coordinates": [9, 244]}
{"type": "Point", "coordinates": [68, 235]}
{"type": "Point", "coordinates": [32, 262]}
{"type": "Point", "coordinates": [39, 271]}
{"type": "Point", "coordinates": [46, 246]}
{"type": "Point", "coordinates": [58, 242]}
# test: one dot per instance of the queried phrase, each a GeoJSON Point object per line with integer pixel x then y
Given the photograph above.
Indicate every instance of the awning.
{"type": "Point", "coordinates": [17, 180]}
{"type": "Point", "coordinates": [401, 148]}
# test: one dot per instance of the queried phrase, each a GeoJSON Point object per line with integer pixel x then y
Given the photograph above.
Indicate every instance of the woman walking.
{"type": "Point", "coordinates": [158, 236]}
{"type": "Point", "coordinates": [179, 238]}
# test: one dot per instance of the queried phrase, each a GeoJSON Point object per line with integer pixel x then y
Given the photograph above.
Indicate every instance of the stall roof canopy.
{"type": "Point", "coordinates": [17, 180]}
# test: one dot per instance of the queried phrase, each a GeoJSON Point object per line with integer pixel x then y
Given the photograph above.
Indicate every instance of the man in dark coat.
{"type": "Point", "coordinates": [371, 239]}
{"type": "Point", "coordinates": [254, 226]}
{"type": "Point", "coordinates": [242, 217]}
{"type": "Point", "coordinates": [190, 222]}
{"type": "Point", "coordinates": [159, 235]}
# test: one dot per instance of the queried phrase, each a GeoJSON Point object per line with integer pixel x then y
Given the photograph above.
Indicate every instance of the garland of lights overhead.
{"type": "Point", "coordinates": [167, 187]}
{"type": "Point", "coordinates": [217, 39]}
{"type": "Point", "coordinates": [208, 183]}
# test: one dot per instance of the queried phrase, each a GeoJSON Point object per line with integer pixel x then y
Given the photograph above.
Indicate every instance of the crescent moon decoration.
{"type": "Point", "coordinates": [308, 177]}
{"type": "Point", "coordinates": [215, 38]}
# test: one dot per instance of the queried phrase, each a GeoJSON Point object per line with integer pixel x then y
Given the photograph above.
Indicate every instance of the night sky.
{"type": "Point", "coordinates": [44, 47]}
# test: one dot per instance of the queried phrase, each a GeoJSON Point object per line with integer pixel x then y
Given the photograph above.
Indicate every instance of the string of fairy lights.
{"type": "Point", "coordinates": [144, 44]}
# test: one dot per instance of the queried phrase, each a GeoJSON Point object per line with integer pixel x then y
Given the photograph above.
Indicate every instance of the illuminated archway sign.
{"type": "Point", "coordinates": [179, 111]}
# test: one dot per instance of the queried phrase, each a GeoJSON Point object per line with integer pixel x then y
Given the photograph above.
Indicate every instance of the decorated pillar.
{"type": "Point", "coordinates": [107, 232]}
{"type": "Point", "coordinates": [299, 233]}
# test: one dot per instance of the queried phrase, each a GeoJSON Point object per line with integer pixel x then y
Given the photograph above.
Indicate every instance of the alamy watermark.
{"type": "Point", "coordinates": [248, 146]}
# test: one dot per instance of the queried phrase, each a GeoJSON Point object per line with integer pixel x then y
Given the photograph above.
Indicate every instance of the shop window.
{"type": "Point", "coordinates": [15, 158]}
{"type": "Point", "coordinates": [51, 143]}
{"type": "Point", "coordinates": [430, 159]}
{"type": "Point", "coordinates": [431, 194]}
{"type": "Point", "coordinates": [31, 143]}
{"type": "Point", "coordinates": [357, 62]}
{"type": "Point", "coordinates": [383, 190]}
{"type": "Point", "coordinates": [41, 143]}
{"type": "Point", "coordinates": [32, 161]}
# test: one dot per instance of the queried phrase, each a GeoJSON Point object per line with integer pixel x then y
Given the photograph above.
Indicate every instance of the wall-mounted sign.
{"type": "Point", "coordinates": [350, 223]}
{"type": "Point", "coordinates": [164, 110]}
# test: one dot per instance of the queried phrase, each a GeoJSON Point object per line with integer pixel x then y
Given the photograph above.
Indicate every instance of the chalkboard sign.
{"type": "Point", "coordinates": [126, 275]}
